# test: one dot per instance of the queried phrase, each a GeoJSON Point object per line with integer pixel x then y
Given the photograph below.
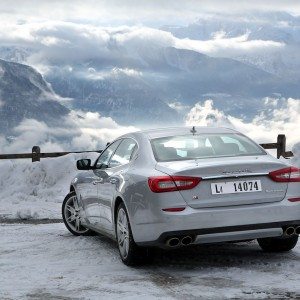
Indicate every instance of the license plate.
{"type": "Point", "coordinates": [233, 187]}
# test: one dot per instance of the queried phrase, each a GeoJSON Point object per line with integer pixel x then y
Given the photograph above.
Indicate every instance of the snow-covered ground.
{"type": "Point", "coordinates": [47, 262]}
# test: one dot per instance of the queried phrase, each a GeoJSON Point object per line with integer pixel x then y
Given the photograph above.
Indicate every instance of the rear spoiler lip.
{"type": "Point", "coordinates": [234, 175]}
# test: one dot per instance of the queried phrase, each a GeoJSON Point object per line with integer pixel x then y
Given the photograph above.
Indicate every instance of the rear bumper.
{"type": "Point", "coordinates": [160, 225]}
{"type": "Point", "coordinates": [257, 229]}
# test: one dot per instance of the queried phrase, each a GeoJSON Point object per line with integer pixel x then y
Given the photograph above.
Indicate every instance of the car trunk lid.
{"type": "Point", "coordinates": [224, 172]}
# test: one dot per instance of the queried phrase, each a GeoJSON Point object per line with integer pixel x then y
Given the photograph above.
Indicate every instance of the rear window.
{"type": "Point", "coordinates": [203, 146]}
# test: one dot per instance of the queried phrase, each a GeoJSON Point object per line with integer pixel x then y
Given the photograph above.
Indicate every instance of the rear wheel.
{"type": "Point", "coordinates": [278, 244]}
{"type": "Point", "coordinates": [71, 214]}
{"type": "Point", "coordinates": [130, 253]}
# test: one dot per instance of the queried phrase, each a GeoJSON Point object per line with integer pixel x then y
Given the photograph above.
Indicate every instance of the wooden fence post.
{"type": "Point", "coordinates": [281, 145]}
{"type": "Point", "coordinates": [36, 151]}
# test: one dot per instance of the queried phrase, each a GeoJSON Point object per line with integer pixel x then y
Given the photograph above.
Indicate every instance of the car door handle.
{"type": "Point", "coordinates": [113, 180]}
{"type": "Point", "coordinates": [97, 181]}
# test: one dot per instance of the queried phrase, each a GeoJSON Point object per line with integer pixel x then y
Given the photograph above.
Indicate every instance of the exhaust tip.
{"type": "Point", "coordinates": [297, 230]}
{"type": "Point", "coordinates": [187, 240]}
{"type": "Point", "coordinates": [173, 242]}
{"type": "Point", "coordinates": [290, 231]}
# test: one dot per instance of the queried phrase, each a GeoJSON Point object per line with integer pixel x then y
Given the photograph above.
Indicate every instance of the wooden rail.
{"type": "Point", "coordinates": [280, 146]}
{"type": "Point", "coordinates": [36, 153]}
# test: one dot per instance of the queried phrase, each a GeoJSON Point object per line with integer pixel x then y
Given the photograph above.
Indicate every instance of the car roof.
{"type": "Point", "coordinates": [170, 131]}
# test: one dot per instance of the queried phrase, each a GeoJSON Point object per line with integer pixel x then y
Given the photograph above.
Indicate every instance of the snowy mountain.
{"type": "Point", "coordinates": [151, 79]}
{"type": "Point", "coordinates": [279, 27]}
{"type": "Point", "coordinates": [128, 99]}
{"type": "Point", "coordinates": [127, 71]}
{"type": "Point", "coordinates": [25, 94]}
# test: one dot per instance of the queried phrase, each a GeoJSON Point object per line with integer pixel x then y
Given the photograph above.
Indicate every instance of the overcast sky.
{"type": "Point", "coordinates": [146, 12]}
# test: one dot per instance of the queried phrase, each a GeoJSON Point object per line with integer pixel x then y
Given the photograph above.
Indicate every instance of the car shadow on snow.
{"type": "Point", "coordinates": [223, 255]}
{"type": "Point", "coordinates": [219, 255]}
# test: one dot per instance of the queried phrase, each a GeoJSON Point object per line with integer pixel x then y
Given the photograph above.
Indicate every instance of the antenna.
{"type": "Point", "coordinates": [193, 130]}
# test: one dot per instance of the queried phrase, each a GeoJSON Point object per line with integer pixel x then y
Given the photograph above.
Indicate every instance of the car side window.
{"type": "Point", "coordinates": [124, 153]}
{"type": "Point", "coordinates": [103, 160]}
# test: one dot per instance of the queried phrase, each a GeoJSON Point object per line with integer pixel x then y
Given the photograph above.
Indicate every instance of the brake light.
{"type": "Point", "coordinates": [294, 199]}
{"type": "Point", "coordinates": [161, 184]}
{"type": "Point", "coordinates": [291, 174]}
{"type": "Point", "coordinates": [174, 209]}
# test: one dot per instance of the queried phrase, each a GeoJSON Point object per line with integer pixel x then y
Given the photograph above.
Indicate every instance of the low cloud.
{"type": "Point", "coordinates": [296, 158]}
{"type": "Point", "coordinates": [65, 44]}
{"type": "Point", "coordinates": [222, 46]}
{"type": "Point", "coordinates": [279, 116]}
{"type": "Point", "coordinates": [179, 107]}
{"type": "Point", "coordinates": [78, 131]}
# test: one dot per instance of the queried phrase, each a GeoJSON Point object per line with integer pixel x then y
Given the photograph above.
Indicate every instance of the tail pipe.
{"type": "Point", "coordinates": [186, 240]}
{"type": "Point", "coordinates": [289, 231]}
{"type": "Point", "coordinates": [297, 230]}
{"type": "Point", "coordinates": [180, 241]}
{"type": "Point", "coordinates": [173, 242]}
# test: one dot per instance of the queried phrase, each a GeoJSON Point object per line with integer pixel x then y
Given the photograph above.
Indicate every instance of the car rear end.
{"type": "Point", "coordinates": [217, 187]}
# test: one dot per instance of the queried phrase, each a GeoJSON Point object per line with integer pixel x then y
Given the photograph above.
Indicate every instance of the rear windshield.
{"type": "Point", "coordinates": [203, 146]}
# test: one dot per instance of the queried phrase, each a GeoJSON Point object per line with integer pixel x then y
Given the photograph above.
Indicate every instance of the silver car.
{"type": "Point", "coordinates": [175, 187]}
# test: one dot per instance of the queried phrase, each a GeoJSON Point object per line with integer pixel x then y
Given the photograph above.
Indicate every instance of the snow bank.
{"type": "Point", "coordinates": [36, 190]}
{"type": "Point", "coordinates": [296, 158]}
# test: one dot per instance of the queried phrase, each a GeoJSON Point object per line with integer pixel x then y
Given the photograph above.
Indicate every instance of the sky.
{"type": "Point", "coordinates": [120, 12]}
{"type": "Point", "coordinates": [54, 29]}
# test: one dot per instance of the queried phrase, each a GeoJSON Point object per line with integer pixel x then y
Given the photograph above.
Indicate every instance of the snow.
{"type": "Point", "coordinates": [36, 190]}
{"type": "Point", "coordinates": [296, 158]}
{"type": "Point", "coordinates": [47, 262]}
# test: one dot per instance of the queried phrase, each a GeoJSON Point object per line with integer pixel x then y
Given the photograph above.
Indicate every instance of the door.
{"type": "Point", "coordinates": [91, 203]}
{"type": "Point", "coordinates": [113, 180]}
{"type": "Point", "coordinates": [88, 194]}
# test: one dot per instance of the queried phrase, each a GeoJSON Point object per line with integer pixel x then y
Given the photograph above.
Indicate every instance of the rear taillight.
{"type": "Point", "coordinates": [161, 184]}
{"type": "Point", "coordinates": [291, 174]}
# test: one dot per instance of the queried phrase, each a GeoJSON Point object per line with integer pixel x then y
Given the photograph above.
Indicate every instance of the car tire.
{"type": "Point", "coordinates": [278, 244]}
{"type": "Point", "coordinates": [71, 216]}
{"type": "Point", "coordinates": [131, 254]}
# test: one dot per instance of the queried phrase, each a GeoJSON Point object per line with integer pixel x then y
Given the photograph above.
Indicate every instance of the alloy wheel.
{"type": "Point", "coordinates": [73, 215]}
{"type": "Point", "coordinates": [123, 233]}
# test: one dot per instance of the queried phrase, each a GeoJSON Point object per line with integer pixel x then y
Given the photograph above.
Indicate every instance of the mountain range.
{"type": "Point", "coordinates": [149, 83]}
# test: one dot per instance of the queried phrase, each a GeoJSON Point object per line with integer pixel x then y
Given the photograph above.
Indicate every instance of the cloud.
{"type": "Point", "coordinates": [78, 131]}
{"type": "Point", "coordinates": [111, 73]}
{"type": "Point", "coordinates": [114, 50]}
{"type": "Point", "coordinates": [222, 46]}
{"type": "Point", "coordinates": [296, 159]}
{"type": "Point", "coordinates": [279, 116]}
{"type": "Point", "coordinates": [178, 106]}
{"type": "Point", "coordinates": [134, 11]}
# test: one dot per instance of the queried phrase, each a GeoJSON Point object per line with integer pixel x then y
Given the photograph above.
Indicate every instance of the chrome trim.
{"type": "Point", "coordinates": [233, 176]}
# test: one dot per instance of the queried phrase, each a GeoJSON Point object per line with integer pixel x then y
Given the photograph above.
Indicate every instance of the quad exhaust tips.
{"type": "Point", "coordinates": [175, 241]}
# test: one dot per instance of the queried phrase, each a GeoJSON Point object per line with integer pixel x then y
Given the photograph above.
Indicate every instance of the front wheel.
{"type": "Point", "coordinates": [130, 253]}
{"type": "Point", "coordinates": [278, 244]}
{"type": "Point", "coordinates": [71, 214]}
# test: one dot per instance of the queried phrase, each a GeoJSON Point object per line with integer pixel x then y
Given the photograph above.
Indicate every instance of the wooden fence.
{"type": "Point", "coordinates": [36, 153]}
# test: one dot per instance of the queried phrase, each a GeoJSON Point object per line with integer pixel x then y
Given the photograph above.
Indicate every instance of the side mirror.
{"type": "Point", "coordinates": [84, 164]}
